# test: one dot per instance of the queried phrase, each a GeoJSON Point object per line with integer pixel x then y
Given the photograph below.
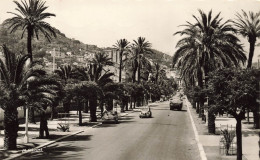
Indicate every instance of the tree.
{"type": "Point", "coordinates": [122, 46]}
{"type": "Point", "coordinates": [40, 94]}
{"type": "Point", "coordinates": [141, 48]}
{"type": "Point", "coordinates": [16, 75]}
{"type": "Point", "coordinates": [30, 19]}
{"type": "Point", "coordinates": [99, 62]}
{"type": "Point", "coordinates": [208, 44]}
{"type": "Point", "coordinates": [248, 25]}
{"type": "Point", "coordinates": [66, 73]}
{"type": "Point", "coordinates": [96, 74]}
{"type": "Point", "coordinates": [235, 90]}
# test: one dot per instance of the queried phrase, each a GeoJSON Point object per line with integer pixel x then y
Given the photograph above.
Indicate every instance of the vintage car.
{"type": "Point", "coordinates": [146, 112]}
{"type": "Point", "coordinates": [176, 103]}
{"type": "Point", "coordinates": [110, 117]}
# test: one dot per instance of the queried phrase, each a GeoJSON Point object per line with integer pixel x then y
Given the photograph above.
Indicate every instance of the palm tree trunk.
{"type": "Point", "coordinates": [66, 106]}
{"type": "Point", "coordinates": [31, 115]}
{"type": "Point", "coordinates": [80, 114]}
{"type": "Point", "coordinates": [131, 104]}
{"type": "Point", "coordinates": [251, 52]}
{"type": "Point", "coordinates": [211, 122]}
{"type": "Point", "coordinates": [120, 66]}
{"type": "Point", "coordinates": [93, 109]}
{"type": "Point", "coordinates": [256, 118]}
{"type": "Point", "coordinates": [86, 107]}
{"type": "Point", "coordinates": [139, 70]}
{"type": "Point", "coordinates": [11, 127]}
{"type": "Point", "coordinates": [239, 139]}
{"type": "Point", "coordinates": [101, 106]}
{"type": "Point", "coordinates": [29, 42]}
{"type": "Point", "coordinates": [43, 126]}
{"type": "Point", "coordinates": [134, 73]}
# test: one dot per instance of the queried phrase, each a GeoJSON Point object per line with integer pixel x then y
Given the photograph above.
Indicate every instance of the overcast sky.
{"type": "Point", "coordinates": [103, 22]}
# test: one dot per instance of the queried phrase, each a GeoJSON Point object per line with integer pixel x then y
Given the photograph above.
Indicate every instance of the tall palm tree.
{"type": "Point", "coordinates": [122, 46]}
{"type": "Point", "coordinates": [30, 19]}
{"type": "Point", "coordinates": [141, 47]}
{"type": "Point", "coordinates": [208, 44]}
{"type": "Point", "coordinates": [248, 25]}
{"type": "Point", "coordinates": [17, 75]}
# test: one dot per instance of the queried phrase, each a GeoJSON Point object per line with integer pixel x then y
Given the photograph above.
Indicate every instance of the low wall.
{"type": "Point", "coordinates": [20, 114]}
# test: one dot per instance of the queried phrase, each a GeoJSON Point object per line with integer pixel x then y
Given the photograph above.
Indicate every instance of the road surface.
{"type": "Point", "coordinates": [166, 136]}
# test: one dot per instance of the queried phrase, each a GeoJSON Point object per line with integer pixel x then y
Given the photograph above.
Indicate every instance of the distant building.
{"type": "Point", "coordinates": [56, 53]}
{"type": "Point", "coordinates": [114, 55]}
{"type": "Point", "coordinates": [90, 47]}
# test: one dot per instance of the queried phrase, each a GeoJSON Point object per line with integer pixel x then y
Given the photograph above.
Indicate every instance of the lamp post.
{"type": "Point", "coordinates": [26, 137]}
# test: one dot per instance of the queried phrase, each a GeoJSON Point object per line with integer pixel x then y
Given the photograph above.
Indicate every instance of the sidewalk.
{"type": "Point", "coordinates": [55, 134]}
{"type": "Point", "coordinates": [211, 143]}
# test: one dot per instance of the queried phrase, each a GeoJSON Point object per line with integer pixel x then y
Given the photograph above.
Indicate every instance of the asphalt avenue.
{"type": "Point", "coordinates": [168, 135]}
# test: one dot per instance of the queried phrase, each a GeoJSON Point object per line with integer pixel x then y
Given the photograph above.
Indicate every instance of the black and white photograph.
{"type": "Point", "coordinates": [130, 79]}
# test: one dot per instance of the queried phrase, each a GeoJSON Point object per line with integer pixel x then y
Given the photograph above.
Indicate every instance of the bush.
{"type": "Point", "coordinates": [63, 127]}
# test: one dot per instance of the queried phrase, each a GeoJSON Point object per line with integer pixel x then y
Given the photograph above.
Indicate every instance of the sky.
{"type": "Point", "coordinates": [103, 22]}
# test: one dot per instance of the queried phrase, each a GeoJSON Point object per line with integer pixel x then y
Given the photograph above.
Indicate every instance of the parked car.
{"type": "Point", "coordinates": [176, 103]}
{"type": "Point", "coordinates": [110, 117]}
{"type": "Point", "coordinates": [146, 112]}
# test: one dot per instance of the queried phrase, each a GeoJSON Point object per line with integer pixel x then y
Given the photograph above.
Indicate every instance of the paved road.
{"type": "Point", "coordinates": [166, 136]}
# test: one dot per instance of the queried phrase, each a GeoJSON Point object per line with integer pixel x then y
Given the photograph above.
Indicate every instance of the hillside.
{"type": "Point", "coordinates": [61, 43]}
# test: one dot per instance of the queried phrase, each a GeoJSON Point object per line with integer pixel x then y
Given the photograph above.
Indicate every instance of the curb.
{"type": "Point", "coordinates": [43, 145]}
{"type": "Point", "coordinates": [200, 147]}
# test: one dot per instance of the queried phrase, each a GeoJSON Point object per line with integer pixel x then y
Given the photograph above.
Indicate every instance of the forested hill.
{"type": "Point", "coordinates": [61, 42]}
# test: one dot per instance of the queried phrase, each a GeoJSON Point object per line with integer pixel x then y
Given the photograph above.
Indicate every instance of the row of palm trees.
{"type": "Point", "coordinates": [210, 44]}
{"type": "Point", "coordinates": [25, 84]}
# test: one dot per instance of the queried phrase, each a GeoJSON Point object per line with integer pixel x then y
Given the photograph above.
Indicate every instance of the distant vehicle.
{"type": "Point", "coordinates": [110, 117]}
{"type": "Point", "coordinates": [176, 103]}
{"type": "Point", "coordinates": [146, 112]}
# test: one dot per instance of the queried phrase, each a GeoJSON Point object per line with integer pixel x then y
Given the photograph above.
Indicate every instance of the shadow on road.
{"type": "Point", "coordinates": [55, 152]}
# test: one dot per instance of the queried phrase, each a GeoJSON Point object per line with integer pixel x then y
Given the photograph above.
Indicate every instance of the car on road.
{"type": "Point", "coordinates": [176, 103]}
{"type": "Point", "coordinates": [110, 117]}
{"type": "Point", "coordinates": [146, 112]}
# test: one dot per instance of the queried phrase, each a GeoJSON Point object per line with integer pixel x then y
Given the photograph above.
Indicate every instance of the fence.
{"type": "Point", "coordinates": [227, 143]}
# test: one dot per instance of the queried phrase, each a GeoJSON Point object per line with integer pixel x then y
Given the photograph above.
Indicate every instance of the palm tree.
{"type": "Point", "coordinates": [98, 64]}
{"type": "Point", "coordinates": [122, 47]}
{"type": "Point", "coordinates": [208, 44]}
{"type": "Point", "coordinates": [97, 74]}
{"type": "Point", "coordinates": [65, 73]}
{"type": "Point", "coordinates": [16, 76]}
{"type": "Point", "coordinates": [158, 72]}
{"type": "Point", "coordinates": [39, 94]}
{"type": "Point", "coordinates": [248, 25]}
{"type": "Point", "coordinates": [141, 48]}
{"type": "Point", "coordinates": [30, 19]}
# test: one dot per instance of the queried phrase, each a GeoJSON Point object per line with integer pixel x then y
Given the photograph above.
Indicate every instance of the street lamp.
{"type": "Point", "coordinates": [26, 137]}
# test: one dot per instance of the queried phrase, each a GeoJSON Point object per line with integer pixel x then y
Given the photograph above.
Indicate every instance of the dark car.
{"type": "Point", "coordinates": [176, 103]}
